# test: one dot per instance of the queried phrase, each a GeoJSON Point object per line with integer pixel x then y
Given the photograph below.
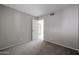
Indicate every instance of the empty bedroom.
{"type": "Point", "coordinates": [39, 29]}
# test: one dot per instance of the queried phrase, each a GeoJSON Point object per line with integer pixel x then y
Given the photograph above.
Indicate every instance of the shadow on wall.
{"type": "Point", "coordinates": [15, 27]}
{"type": "Point", "coordinates": [62, 27]}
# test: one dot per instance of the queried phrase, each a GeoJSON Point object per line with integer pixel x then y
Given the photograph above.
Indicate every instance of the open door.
{"type": "Point", "coordinates": [37, 29]}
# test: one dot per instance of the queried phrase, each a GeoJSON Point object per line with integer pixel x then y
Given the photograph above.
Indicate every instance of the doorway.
{"type": "Point", "coordinates": [37, 29]}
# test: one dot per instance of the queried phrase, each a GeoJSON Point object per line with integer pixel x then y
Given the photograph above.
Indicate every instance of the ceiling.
{"type": "Point", "coordinates": [37, 9]}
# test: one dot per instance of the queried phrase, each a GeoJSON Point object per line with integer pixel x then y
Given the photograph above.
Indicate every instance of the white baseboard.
{"type": "Point", "coordinates": [63, 45]}
{"type": "Point", "coordinates": [45, 40]}
{"type": "Point", "coordinates": [13, 45]}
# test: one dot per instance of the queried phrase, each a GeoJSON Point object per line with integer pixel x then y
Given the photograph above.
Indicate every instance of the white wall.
{"type": "Point", "coordinates": [62, 28]}
{"type": "Point", "coordinates": [15, 27]}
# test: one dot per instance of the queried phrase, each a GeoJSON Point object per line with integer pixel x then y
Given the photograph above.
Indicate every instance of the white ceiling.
{"type": "Point", "coordinates": [37, 9]}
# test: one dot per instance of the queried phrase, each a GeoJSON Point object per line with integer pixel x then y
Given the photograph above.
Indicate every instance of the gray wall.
{"type": "Point", "coordinates": [62, 28]}
{"type": "Point", "coordinates": [15, 27]}
{"type": "Point", "coordinates": [78, 27]}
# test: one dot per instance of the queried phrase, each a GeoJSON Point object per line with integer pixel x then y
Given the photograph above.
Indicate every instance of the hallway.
{"type": "Point", "coordinates": [38, 47]}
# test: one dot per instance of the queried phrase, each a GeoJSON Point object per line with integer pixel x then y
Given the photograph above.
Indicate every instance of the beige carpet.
{"type": "Point", "coordinates": [38, 47]}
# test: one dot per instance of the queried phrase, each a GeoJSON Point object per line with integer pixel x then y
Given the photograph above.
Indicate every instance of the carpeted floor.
{"type": "Point", "coordinates": [38, 47]}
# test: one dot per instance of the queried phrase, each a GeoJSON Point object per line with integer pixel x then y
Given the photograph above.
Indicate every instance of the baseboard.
{"type": "Point", "coordinates": [63, 45]}
{"type": "Point", "coordinates": [13, 45]}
